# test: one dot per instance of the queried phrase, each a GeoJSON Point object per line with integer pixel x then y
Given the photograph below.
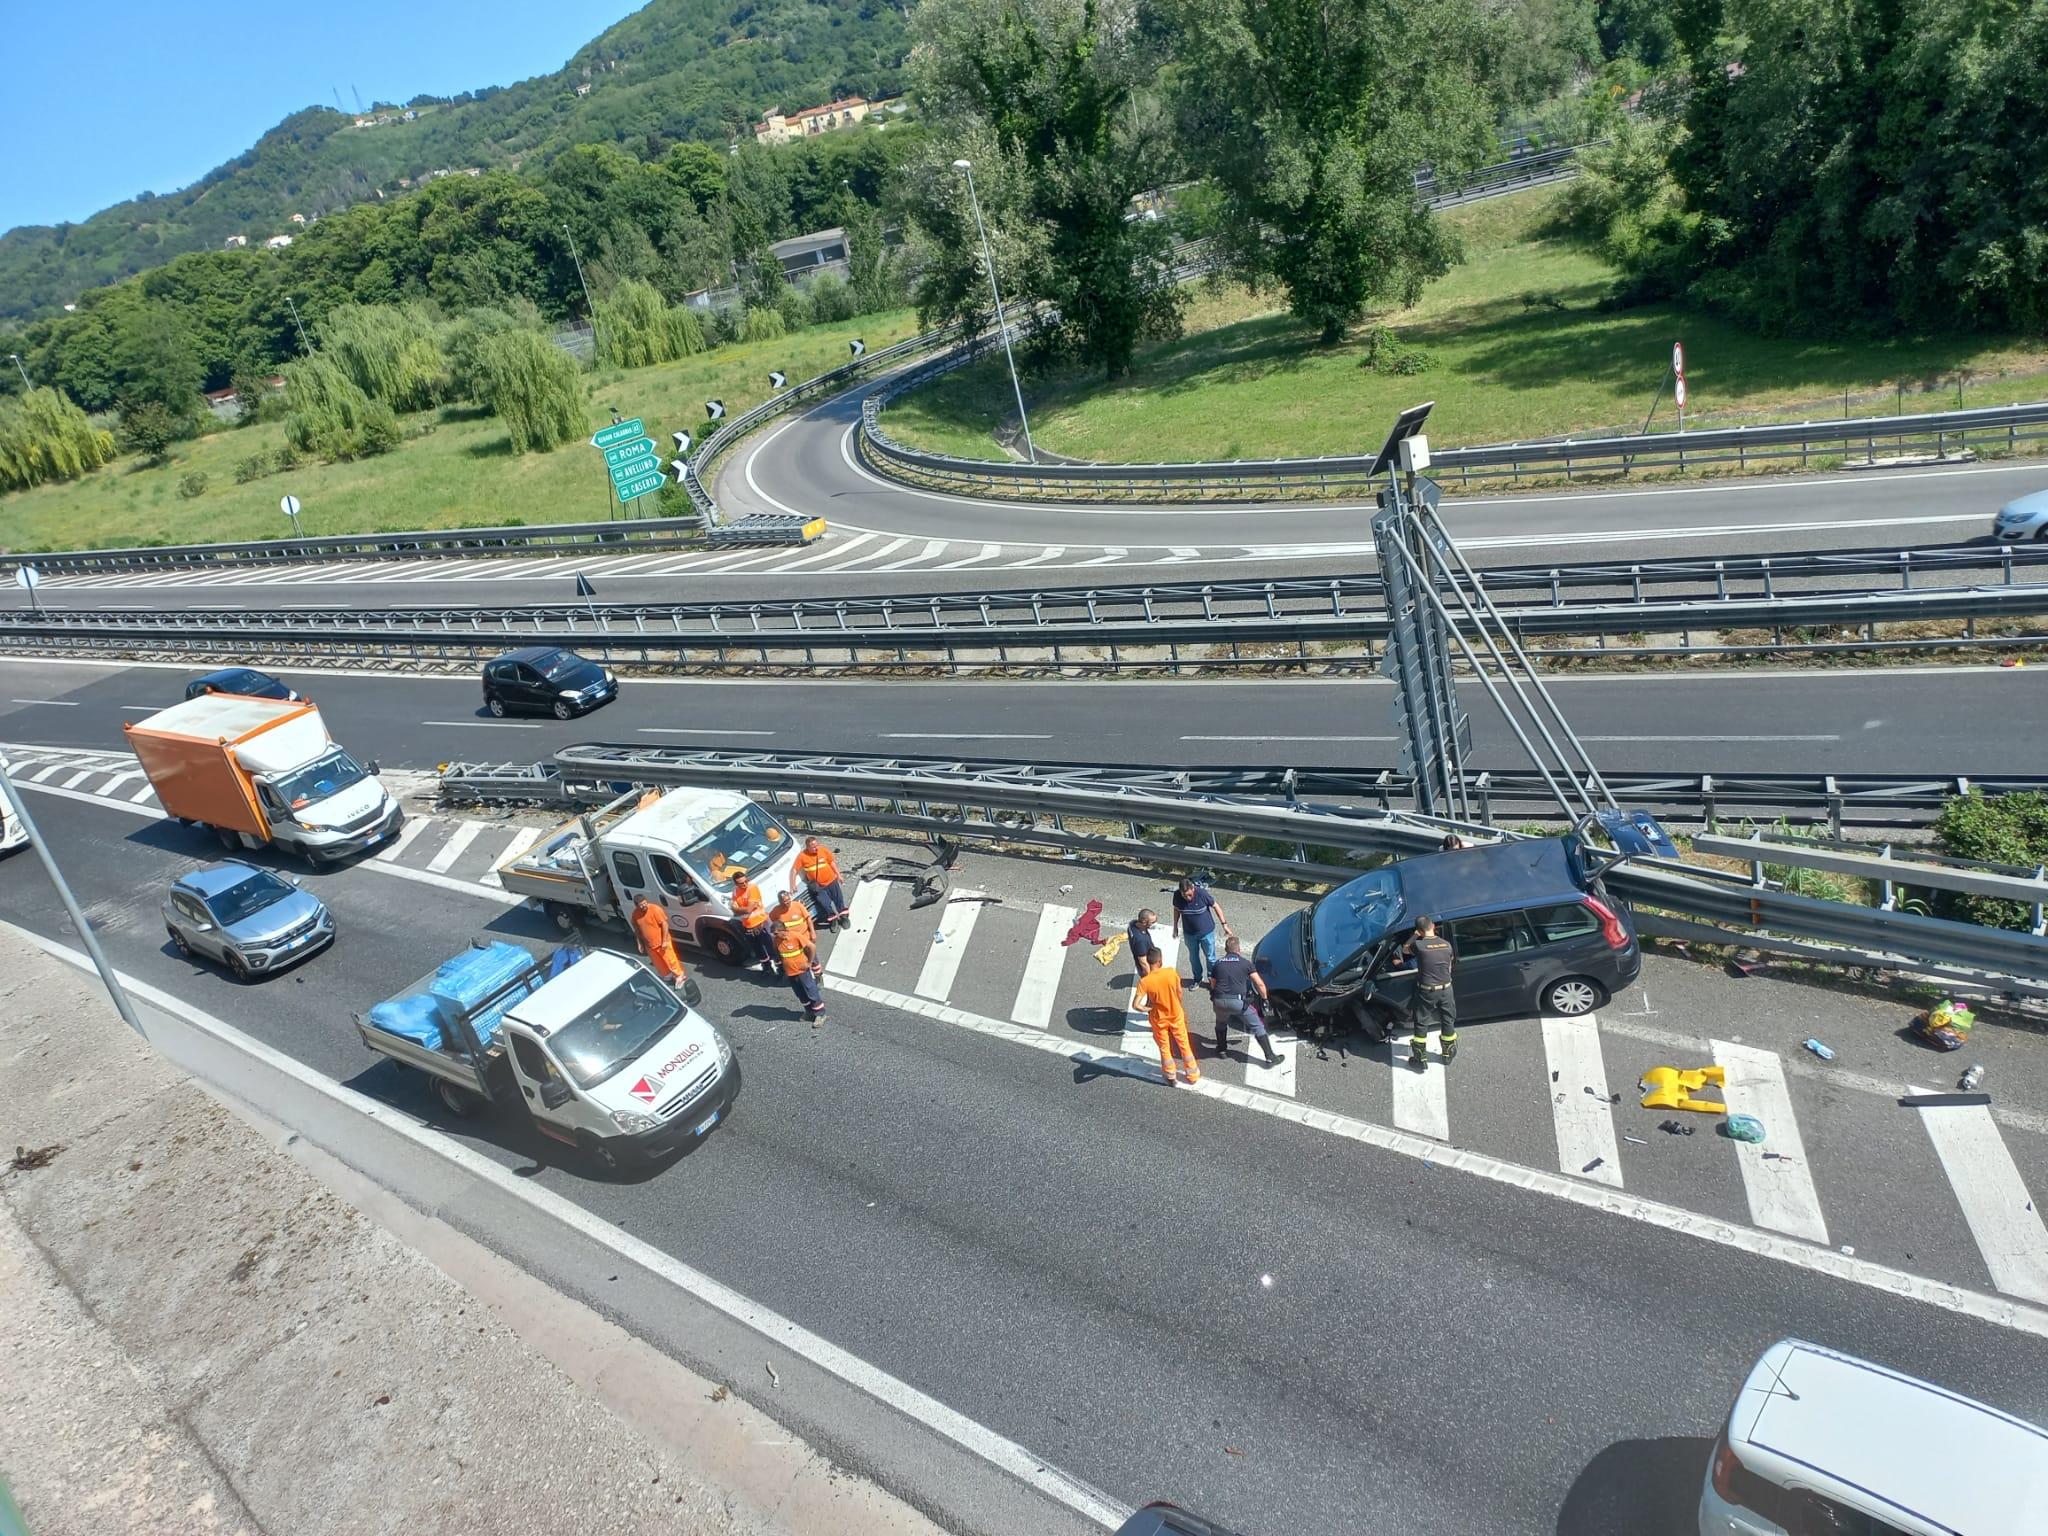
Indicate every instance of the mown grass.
{"type": "Point", "coordinates": [457, 470]}
{"type": "Point", "coordinates": [1520, 348]}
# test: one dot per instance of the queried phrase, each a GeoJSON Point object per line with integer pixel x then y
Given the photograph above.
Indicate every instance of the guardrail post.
{"type": "Point", "coordinates": [1833, 791]}
{"type": "Point", "coordinates": [1485, 788]}
{"type": "Point", "coordinates": [1707, 808]}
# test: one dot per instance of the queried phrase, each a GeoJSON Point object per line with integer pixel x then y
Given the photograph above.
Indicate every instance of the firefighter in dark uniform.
{"type": "Point", "coordinates": [1435, 1006]}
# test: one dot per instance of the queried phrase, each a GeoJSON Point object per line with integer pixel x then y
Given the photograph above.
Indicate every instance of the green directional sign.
{"type": "Point", "coordinates": [629, 489]}
{"type": "Point", "coordinates": [625, 453]}
{"type": "Point", "coordinates": [619, 432]}
{"type": "Point", "coordinates": [633, 469]}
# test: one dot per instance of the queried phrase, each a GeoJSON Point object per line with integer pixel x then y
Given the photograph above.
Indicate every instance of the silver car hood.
{"type": "Point", "coordinates": [275, 920]}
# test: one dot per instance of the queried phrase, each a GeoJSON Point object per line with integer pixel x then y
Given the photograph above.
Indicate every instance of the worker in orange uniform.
{"type": "Point", "coordinates": [797, 952]}
{"type": "Point", "coordinates": [747, 906]}
{"type": "Point", "coordinates": [790, 916]}
{"type": "Point", "coordinates": [1159, 995]}
{"type": "Point", "coordinates": [819, 870]}
{"type": "Point", "coordinates": [657, 943]}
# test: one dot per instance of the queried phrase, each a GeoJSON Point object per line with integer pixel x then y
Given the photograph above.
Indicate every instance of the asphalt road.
{"type": "Point", "coordinates": [1940, 722]}
{"type": "Point", "coordinates": [1077, 1263]}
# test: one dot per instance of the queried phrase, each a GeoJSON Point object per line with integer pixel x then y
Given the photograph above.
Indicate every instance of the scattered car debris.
{"type": "Point", "coordinates": [28, 1159]}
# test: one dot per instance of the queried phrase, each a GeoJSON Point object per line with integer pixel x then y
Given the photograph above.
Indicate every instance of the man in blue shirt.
{"type": "Point", "coordinates": [1196, 916]}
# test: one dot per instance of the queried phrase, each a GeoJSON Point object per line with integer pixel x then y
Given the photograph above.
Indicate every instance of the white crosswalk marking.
{"type": "Point", "coordinates": [1584, 1121]}
{"type": "Point", "coordinates": [852, 943]}
{"type": "Point", "coordinates": [147, 792]}
{"type": "Point", "coordinates": [1994, 1198]}
{"type": "Point", "coordinates": [464, 834]}
{"type": "Point", "coordinates": [1420, 1103]}
{"type": "Point", "coordinates": [1774, 1172]}
{"type": "Point", "coordinates": [522, 840]}
{"type": "Point", "coordinates": [1267, 1079]}
{"type": "Point", "coordinates": [932, 547]}
{"type": "Point", "coordinates": [79, 778]}
{"type": "Point", "coordinates": [1044, 964]}
{"type": "Point", "coordinates": [949, 946]}
{"type": "Point", "coordinates": [412, 829]}
{"type": "Point", "coordinates": [50, 772]}
{"type": "Point", "coordinates": [1138, 1039]}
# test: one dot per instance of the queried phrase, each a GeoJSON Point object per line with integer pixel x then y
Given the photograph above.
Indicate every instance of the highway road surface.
{"type": "Point", "coordinates": [1281, 1304]}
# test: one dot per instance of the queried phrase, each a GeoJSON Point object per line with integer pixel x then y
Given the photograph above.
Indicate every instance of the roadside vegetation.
{"type": "Point", "coordinates": [1520, 340]}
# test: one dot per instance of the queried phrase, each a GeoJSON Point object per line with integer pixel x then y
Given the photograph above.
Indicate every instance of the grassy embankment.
{"type": "Point", "coordinates": [1519, 348]}
{"type": "Point", "coordinates": [458, 471]}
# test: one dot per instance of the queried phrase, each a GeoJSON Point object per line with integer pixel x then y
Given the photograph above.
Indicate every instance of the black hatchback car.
{"type": "Point", "coordinates": [241, 680]}
{"type": "Point", "coordinates": [1534, 929]}
{"type": "Point", "coordinates": [546, 680]}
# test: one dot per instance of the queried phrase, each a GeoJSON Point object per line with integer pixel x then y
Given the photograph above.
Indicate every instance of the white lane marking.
{"type": "Point", "coordinates": [961, 736]}
{"type": "Point", "coordinates": [988, 552]}
{"type": "Point", "coordinates": [1295, 738]}
{"type": "Point", "coordinates": [494, 725]}
{"type": "Point", "coordinates": [1709, 738]}
{"type": "Point", "coordinates": [52, 703]}
{"type": "Point", "coordinates": [1275, 1080]}
{"type": "Point", "coordinates": [754, 561]}
{"type": "Point", "coordinates": [754, 453]}
{"type": "Point", "coordinates": [147, 792]}
{"type": "Point", "coordinates": [852, 944]}
{"type": "Point", "coordinates": [1584, 1121]}
{"type": "Point", "coordinates": [830, 548]}
{"type": "Point", "coordinates": [1138, 1039]}
{"type": "Point", "coordinates": [883, 553]}
{"type": "Point", "coordinates": [1780, 1187]}
{"type": "Point", "coordinates": [2000, 1311]}
{"type": "Point", "coordinates": [949, 946]}
{"type": "Point", "coordinates": [1421, 1103]}
{"type": "Point", "coordinates": [413, 828]}
{"type": "Point", "coordinates": [1108, 556]}
{"type": "Point", "coordinates": [464, 834]}
{"type": "Point", "coordinates": [520, 841]}
{"type": "Point", "coordinates": [1049, 552]}
{"type": "Point", "coordinates": [1006, 1455]}
{"type": "Point", "coordinates": [1043, 967]}
{"type": "Point", "coordinates": [933, 547]}
{"type": "Point", "coordinates": [1182, 556]}
{"type": "Point", "coordinates": [119, 779]}
{"type": "Point", "coordinates": [79, 778]}
{"type": "Point", "coordinates": [149, 812]}
{"type": "Point", "coordinates": [50, 772]}
{"type": "Point", "coordinates": [374, 572]}
{"type": "Point", "coordinates": [447, 883]}
{"type": "Point", "coordinates": [694, 730]}
{"type": "Point", "coordinates": [2002, 1217]}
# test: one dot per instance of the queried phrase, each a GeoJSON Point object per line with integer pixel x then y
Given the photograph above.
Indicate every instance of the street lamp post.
{"type": "Point", "coordinates": [25, 384]}
{"type": "Point", "coordinates": [298, 325]}
{"type": "Point", "coordinates": [966, 168]}
{"type": "Point", "coordinates": [596, 348]}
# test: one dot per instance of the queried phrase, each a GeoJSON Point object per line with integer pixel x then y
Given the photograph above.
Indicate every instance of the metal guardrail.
{"type": "Point", "coordinates": [1942, 434]}
{"type": "Point", "coordinates": [1861, 800]}
{"type": "Point", "coordinates": [1312, 641]}
{"type": "Point", "coordinates": [1713, 578]}
{"type": "Point", "coordinates": [1221, 832]}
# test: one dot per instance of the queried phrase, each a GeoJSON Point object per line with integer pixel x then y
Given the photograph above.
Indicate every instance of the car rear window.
{"type": "Point", "coordinates": [1573, 920]}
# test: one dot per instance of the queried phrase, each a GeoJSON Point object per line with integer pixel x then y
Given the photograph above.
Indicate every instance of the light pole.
{"type": "Point", "coordinates": [299, 326]}
{"type": "Point", "coordinates": [597, 351]}
{"type": "Point", "coordinates": [966, 168]}
{"type": "Point", "coordinates": [25, 384]}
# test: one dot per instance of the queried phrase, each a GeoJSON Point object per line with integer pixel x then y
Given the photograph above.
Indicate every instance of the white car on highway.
{"type": "Point", "coordinates": [2024, 517]}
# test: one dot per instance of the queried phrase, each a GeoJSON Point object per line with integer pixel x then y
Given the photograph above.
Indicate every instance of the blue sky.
{"type": "Point", "coordinates": [128, 96]}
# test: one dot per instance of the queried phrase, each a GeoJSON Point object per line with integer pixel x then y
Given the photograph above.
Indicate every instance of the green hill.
{"type": "Point", "coordinates": [677, 69]}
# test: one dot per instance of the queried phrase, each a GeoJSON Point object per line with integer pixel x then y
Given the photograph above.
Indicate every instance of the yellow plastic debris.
{"type": "Point", "coordinates": [1673, 1088]}
{"type": "Point", "coordinates": [1108, 951]}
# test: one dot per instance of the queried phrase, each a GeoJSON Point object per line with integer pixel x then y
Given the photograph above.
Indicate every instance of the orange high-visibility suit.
{"type": "Point", "coordinates": [817, 866]}
{"type": "Point", "coordinates": [793, 920]}
{"type": "Point", "coordinates": [1159, 995]}
{"type": "Point", "coordinates": [657, 942]}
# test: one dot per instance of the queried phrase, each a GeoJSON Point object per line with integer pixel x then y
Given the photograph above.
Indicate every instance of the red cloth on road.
{"type": "Point", "coordinates": [1087, 926]}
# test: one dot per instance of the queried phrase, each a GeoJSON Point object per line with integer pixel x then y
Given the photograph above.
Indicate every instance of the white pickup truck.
{"type": "Point", "coordinates": [679, 848]}
{"type": "Point", "coordinates": [595, 1049]}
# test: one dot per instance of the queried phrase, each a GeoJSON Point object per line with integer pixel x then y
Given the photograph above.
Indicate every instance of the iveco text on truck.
{"type": "Point", "coordinates": [679, 849]}
{"type": "Point", "coordinates": [261, 771]}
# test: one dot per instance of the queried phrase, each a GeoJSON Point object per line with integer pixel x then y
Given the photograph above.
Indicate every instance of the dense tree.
{"type": "Point", "coordinates": [1312, 115]}
{"type": "Point", "coordinates": [1054, 102]}
{"type": "Point", "coordinates": [330, 415]}
{"type": "Point", "coordinates": [637, 327]}
{"type": "Point", "coordinates": [156, 362]}
{"type": "Point", "coordinates": [43, 437]}
{"type": "Point", "coordinates": [390, 351]}
{"type": "Point", "coordinates": [534, 388]}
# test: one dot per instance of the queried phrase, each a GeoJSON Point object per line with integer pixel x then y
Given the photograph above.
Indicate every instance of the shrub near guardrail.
{"type": "Point", "coordinates": [2011, 830]}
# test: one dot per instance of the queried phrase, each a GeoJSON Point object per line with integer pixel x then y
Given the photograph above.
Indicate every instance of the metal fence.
{"type": "Point", "coordinates": [1148, 824]}
{"type": "Point", "coordinates": [1311, 642]}
{"type": "Point", "coordinates": [1940, 434]}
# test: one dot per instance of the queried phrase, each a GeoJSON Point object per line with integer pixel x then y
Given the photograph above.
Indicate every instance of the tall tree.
{"type": "Point", "coordinates": [1312, 116]}
{"type": "Point", "coordinates": [1055, 103]}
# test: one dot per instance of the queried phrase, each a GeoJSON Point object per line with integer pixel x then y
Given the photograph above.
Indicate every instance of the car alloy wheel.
{"type": "Point", "coordinates": [238, 967]}
{"type": "Point", "coordinates": [178, 942]}
{"type": "Point", "coordinates": [1571, 997]}
{"type": "Point", "coordinates": [562, 709]}
{"type": "Point", "coordinates": [496, 706]}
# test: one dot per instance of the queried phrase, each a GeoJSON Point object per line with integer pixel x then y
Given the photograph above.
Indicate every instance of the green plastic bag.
{"type": "Point", "coordinates": [1743, 1128]}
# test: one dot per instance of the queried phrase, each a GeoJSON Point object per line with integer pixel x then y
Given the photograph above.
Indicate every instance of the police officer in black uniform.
{"type": "Point", "coordinates": [1239, 991]}
{"type": "Point", "coordinates": [1435, 1006]}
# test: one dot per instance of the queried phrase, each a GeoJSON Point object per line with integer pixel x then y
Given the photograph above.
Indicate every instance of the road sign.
{"type": "Point", "coordinates": [619, 432]}
{"type": "Point", "coordinates": [27, 577]}
{"type": "Point", "coordinates": [630, 489]}
{"type": "Point", "coordinates": [1678, 373]}
{"type": "Point", "coordinates": [777, 378]}
{"type": "Point", "coordinates": [625, 452]}
{"type": "Point", "coordinates": [714, 409]}
{"type": "Point", "coordinates": [633, 469]}
{"type": "Point", "coordinates": [289, 506]}
{"type": "Point", "coordinates": [856, 346]}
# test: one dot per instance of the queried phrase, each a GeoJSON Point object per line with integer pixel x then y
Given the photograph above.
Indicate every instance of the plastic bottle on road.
{"type": "Point", "coordinates": [1819, 1050]}
{"type": "Point", "coordinates": [1971, 1079]}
